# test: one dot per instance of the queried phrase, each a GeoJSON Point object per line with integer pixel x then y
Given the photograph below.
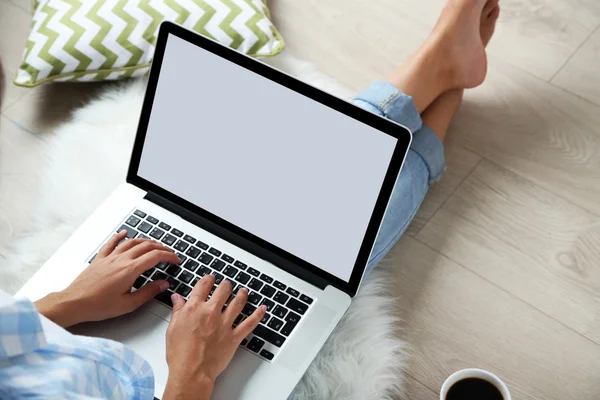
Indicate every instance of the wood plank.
{"type": "Point", "coordinates": [536, 130]}
{"type": "Point", "coordinates": [526, 240]}
{"type": "Point", "coordinates": [14, 23]}
{"type": "Point", "coordinates": [351, 40]}
{"type": "Point", "coordinates": [581, 74]}
{"type": "Point", "coordinates": [415, 390]}
{"type": "Point", "coordinates": [456, 319]}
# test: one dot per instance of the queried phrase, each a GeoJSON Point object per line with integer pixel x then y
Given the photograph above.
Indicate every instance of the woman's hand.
{"type": "Point", "coordinates": [103, 289]}
{"type": "Point", "coordinates": [201, 340]}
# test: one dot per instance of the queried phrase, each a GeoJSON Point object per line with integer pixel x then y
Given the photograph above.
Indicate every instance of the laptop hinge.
{"type": "Point", "coordinates": [238, 241]}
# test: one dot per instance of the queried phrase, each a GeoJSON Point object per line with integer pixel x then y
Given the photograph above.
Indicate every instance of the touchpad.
{"type": "Point", "coordinates": [141, 331]}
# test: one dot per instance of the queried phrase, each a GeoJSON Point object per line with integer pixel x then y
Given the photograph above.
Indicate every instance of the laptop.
{"type": "Point", "coordinates": [255, 177]}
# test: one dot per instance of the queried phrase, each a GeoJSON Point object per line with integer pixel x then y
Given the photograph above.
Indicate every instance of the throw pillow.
{"type": "Point", "coordinates": [92, 40]}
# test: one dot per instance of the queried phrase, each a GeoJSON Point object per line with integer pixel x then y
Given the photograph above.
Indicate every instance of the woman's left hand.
{"type": "Point", "coordinates": [103, 289]}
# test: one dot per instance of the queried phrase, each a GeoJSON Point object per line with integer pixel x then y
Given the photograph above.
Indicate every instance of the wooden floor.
{"type": "Point", "coordinates": [501, 268]}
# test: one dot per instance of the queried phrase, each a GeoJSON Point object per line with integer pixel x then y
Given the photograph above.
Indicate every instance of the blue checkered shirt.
{"type": "Point", "coordinates": [34, 366]}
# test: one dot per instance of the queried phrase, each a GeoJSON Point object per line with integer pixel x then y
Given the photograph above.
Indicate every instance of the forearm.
{"type": "Point", "coordinates": [181, 388]}
{"type": "Point", "coordinates": [59, 308]}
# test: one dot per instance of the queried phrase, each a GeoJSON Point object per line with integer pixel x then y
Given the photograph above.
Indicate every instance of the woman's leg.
{"type": "Point", "coordinates": [424, 162]}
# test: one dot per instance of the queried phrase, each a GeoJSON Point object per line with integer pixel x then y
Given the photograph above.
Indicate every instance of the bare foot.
{"type": "Point", "coordinates": [458, 38]}
{"type": "Point", "coordinates": [489, 16]}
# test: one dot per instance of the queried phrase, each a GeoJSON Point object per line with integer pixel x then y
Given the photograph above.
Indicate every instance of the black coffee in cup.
{"type": "Point", "coordinates": [474, 389]}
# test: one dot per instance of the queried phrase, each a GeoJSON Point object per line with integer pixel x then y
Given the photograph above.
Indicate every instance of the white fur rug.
{"type": "Point", "coordinates": [86, 158]}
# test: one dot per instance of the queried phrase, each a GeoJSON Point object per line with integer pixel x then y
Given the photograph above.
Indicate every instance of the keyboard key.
{"type": "Point", "coordinates": [193, 252]}
{"type": "Point", "coordinates": [214, 252]}
{"type": "Point", "coordinates": [148, 272]}
{"type": "Point", "coordinates": [140, 214]}
{"type": "Point", "coordinates": [164, 226]}
{"type": "Point", "coordinates": [242, 277]}
{"type": "Point", "coordinates": [255, 284]}
{"type": "Point", "coordinates": [157, 233]}
{"type": "Point", "coordinates": [265, 318]}
{"type": "Point", "coordinates": [292, 317]}
{"type": "Point", "coordinates": [181, 245]}
{"type": "Point", "coordinates": [281, 297]}
{"type": "Point", "coordinates": [227, 258]}
{"type": "Point", "coordinates": [279, 311]}
{"type": "Point", "coordinates": [237, 289]}
{"type": "Point", "coordinates": [268, 303]}
{"type": "Point", "coordinates": [267, 354]}
{"type": "Point", "coordinates": [169, 239]}
{"type": "Point", "coordinates": [297, 306]}
{"type": "Point", "coordinates": [181, 257]}
{"type": "Point", "coordinates": [165, 297]}
{"type": "Point", "coordinates": [288, 327]}
{"type": "Point", "coordinates": [279, 285]}
{"type": "Point", "coordinates": [191, 265]}
{"type": "Point", "coordinates": [186, 277]}
{"type": "Point", "coordinates": [268, 291]}
{"type": "Point", "coordinates": [254, 298]}
{"type": "Point", "coordinates": [255, 344]}
{"type": "Point", "coordinates": [159, 276]}
{"type": "Point", "coordinates": [205, 258]}
{"type": "Point", "coordinates": [293, 292]}
{"type": "Point", "coordinates": [152, 220]}
{"type": "Point", "coordinates": [202, 245]}
{"type": "Point", "coordinates": [145, 227]}
{"type": "Point", "coordinates": [233, 283]}
{"type": "Point", "coordinates": [184, 290]}
{"type": "Point", "coordinates": [139, 282]}
{"type": "Point", "coordinates": [130, 231]}
{"type": "Point", "coordinates": [306, 299]}
{"type": "Point", "coordinates": [217, 264]}
{"type": "Point", "coordinates": [162, 265]}
{"type": "Point", "coordinates": [230, 271]}
{"type": "Point", "coordinates": [218, 277]}
{"type": "Point", "coordinates": [172, 282]}
{"type": "Point", "coordinates": [240, 265]}
{"type": "Point", "coordinates": [190, 239]}
{"type": "Point", "coordinates": [238, 320]}
{"type": "Point", "coordinates": [275, 324]}
{"type": "Point", "coordinates": [203, 271]}
{"type": "Point", "coordinates": [244, 341]}
{"type": "Point", "coordinates": [133, 221]}
{"type": "Point", "coordinates": [212, 290]}
{"type": "Point", "coordinates": [248, 309]}
{"type": "Point", "coordinates": [196, 280]}
{"type": "Point", "coordinates": [173, 270]}
{"type": "Point", "coordinates": [176, 232]}
{"type": "Point", "coordinates": [266, 278]}
{"type": "Point", "coordinates": [268, 335]}
{"type": "Point", "coordinates": [252, 271]}
{"type": "Point", "coordinates": [141, 236]}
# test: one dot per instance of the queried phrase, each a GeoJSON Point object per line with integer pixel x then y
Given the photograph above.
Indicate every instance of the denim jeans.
{"type": "Point", "coordinates": [424, 163]}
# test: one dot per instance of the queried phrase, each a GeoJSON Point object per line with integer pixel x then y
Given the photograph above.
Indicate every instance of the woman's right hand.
{"type": "Point", "coordinates": [201, 340]}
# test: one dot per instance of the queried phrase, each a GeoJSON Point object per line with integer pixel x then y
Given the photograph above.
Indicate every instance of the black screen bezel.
{"type": "Point", "coordinates": [402, 134]}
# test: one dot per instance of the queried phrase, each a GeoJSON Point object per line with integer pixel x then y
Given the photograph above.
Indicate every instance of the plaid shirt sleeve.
{"type": "Point", "coordinates": [75, 367]}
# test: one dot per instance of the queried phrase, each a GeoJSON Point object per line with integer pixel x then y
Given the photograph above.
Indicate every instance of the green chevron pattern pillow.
{"type": "Point", "coordinates": [93, 40]}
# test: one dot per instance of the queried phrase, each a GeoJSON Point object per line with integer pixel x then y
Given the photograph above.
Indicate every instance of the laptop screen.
{"type": "Point", "coordinates": [286, 168]}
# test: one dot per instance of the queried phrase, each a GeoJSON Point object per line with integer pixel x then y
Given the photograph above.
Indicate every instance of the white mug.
{"type": "Point", "coordinates": [474, 373]}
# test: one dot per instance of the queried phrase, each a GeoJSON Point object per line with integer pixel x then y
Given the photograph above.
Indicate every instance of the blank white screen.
{"type": "Point", "coordinates": [275, 163]}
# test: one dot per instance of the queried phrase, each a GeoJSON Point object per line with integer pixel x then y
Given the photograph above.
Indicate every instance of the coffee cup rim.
{"type": "Point", "coordinates": [474, 373]}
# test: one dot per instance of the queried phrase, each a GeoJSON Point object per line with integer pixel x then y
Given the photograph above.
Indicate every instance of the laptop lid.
{"type": "Point", "coordinates": [286, 171]}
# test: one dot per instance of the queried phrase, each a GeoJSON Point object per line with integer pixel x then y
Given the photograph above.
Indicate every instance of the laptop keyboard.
{"type": "Point", "coordinates": [285, 305]}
